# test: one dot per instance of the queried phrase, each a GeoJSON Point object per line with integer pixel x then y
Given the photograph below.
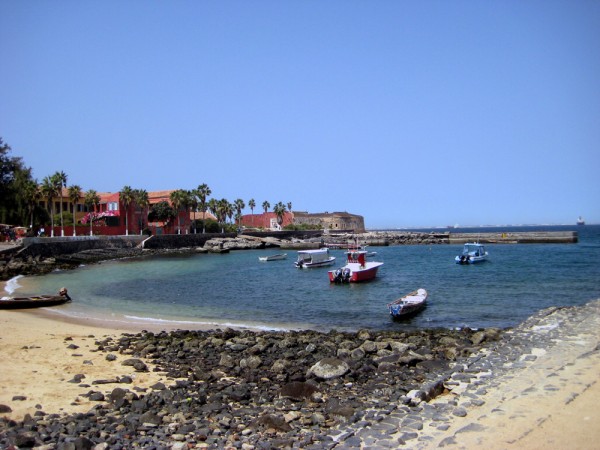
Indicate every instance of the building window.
{"type": "Point", "coordinates": [113, 206]}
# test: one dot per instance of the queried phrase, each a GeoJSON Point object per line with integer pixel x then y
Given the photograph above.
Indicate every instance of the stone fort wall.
{"type": "Point", "coordinates": [332, 221]}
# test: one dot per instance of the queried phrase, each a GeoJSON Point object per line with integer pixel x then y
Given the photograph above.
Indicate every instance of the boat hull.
{"type": "Point", "coordinates": [273, 257]}
{"type": "Point", "coordinates": [356, 274]}
{"type": "Point", "coordinates": [310, 265]}
{"type": "Point", "coordinates": [470, 259]}
{"type": "Point", "coordinates": [33, 302]}
{"type": "Point", "coordinates": [409, 305]}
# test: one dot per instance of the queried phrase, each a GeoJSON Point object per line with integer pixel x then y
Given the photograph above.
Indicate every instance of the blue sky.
{"type": "Point", "coordinates": [410, 113]}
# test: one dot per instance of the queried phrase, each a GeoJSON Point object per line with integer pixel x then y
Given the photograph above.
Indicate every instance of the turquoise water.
{"type": "Point", "coordinates": [237, 289]}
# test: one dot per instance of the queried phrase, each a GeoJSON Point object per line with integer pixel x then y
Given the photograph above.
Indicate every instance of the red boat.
{"type": "Point", "coordinates": [357, 269]}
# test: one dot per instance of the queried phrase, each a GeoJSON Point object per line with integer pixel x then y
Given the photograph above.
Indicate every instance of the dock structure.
{"type": "Point", "coordinates": [379, 238]}
{"type": "Point", "coordinates": [524, 237]}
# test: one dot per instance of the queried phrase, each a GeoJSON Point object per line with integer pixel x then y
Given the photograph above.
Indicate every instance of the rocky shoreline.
{"type": "Point", "coordinates": [265, 390]}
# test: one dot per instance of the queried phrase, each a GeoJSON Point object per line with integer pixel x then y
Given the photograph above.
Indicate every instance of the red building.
{"type": "Point", "coordinates": [267, 220]}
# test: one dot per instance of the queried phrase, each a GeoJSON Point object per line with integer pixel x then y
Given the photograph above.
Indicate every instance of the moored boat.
{"type": "Point", "coordinates": [314, 258]}
{"type": "Point", "coordinates": [408, 305]}
{"type": "Point", "coordinates": [35, 301]}
{"type": "Point", "coordinates": [472, 253]}
{"type": "Point", "coordinates": [278, 257]}
{"type": "Point", "coordinates": [357, 269]}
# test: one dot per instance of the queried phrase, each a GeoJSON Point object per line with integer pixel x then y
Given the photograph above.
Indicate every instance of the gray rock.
{"type": "Point", "coordinates": [329, 368]}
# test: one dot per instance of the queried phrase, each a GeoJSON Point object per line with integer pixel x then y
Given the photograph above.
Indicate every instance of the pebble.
{"type": "Point", "coordinates": [256, 390]}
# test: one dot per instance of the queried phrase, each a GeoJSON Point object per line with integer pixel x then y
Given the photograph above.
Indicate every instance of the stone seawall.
{"type": "Point", "coordinates": [174, 241]}
{"type": "Point", "coordinates": [51, 247]}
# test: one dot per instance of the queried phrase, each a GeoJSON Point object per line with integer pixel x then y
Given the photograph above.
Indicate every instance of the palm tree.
{"type": "Point", "coordinates": [140, 196]}
{"type": "Point", "coordinates": [178, 199]}
{"type": "Point", "coordinates": [48, 191]}
{"type": "Point", "coordinates": [60, 179]}
{"type": "Point", "coordinates": [225, 210]}
{"type": "Point", "coordinates": [193, 202]}
{"type": "Point", "coordinates": [91, 200]}
{"type": "Point", "coordinates": [31, 195]}
{"type": "Point", "coordinates": [266, 205]}
{"type": "Point", "coordinates": [213, 205]}
{"type": "Point", "coordinates": [229, 210]}
{"type": "Point", "coordinates": [239, 205]}
{"type": "Point", "coordinates": [74, 194]}
{"type": "Point", "coordinates": [188, 201]}
{"type": "Point", "coordinates": [279, 210]}
{"type": "Point", "coordinates": [126, 196]}
{"type": "Point", "coordinates": [203, 192]}
{"type": "Point", "coordinates": [289, 206]}
{"type": "Point", "coordinates": [252, 205]}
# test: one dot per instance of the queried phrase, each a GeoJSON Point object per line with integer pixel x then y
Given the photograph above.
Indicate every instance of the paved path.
{"type": "Point", "coordinates": [546, 399]}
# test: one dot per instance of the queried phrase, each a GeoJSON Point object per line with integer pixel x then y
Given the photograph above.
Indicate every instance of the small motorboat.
{"type": "Point", "coordinates": [472, 253]}
{"type": "Point", "coordinates": [273, 257]}
{"type": "Point", "coordinates": [314, 258]}
{"type": "Point", "coordinates": [408, 305]}
{"type": "Point", "coordinates": [357, 268]}
{"type": "Point", "coordinates": [35, 301]}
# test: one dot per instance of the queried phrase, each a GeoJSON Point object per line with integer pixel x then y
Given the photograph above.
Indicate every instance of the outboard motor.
{"type": "Point", "coordinates": [346, 275]}
{"type": "Point", "coordinates": [337, 276]}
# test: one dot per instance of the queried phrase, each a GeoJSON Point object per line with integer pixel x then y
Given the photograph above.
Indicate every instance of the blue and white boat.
{"type": "Point", "coordinates": [472, 253]}
{"type": "Point", "coordinates": [314, 258]}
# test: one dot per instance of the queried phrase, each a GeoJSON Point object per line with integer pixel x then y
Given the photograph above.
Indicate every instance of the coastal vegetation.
{"type": "Point", "coordinates": [26, 202]}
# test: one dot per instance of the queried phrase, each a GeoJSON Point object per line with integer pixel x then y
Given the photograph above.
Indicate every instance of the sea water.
{"type": "Point", "coordinates": [236, 289]}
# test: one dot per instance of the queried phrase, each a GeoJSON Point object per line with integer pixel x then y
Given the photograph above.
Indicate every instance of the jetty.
{"type": "Point", "coordinates": [378, 238]}
{"type": "Point", "coordinates": [525, 237]}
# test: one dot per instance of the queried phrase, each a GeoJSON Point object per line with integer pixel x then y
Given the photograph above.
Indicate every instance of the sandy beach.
{"type": "Point", "coordinates": [549, 403]}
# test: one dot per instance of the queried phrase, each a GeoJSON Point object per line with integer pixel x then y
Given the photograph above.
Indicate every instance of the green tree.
{"type": "Point", "coordinates": [31, 194]}
{"type": "Point", "coordinates": [193, 202]}
{"type": "Point", "coordinates": [140, 196]}
{"type": "Point", "coordinates": [279, 210]}
{"type": "Point", "coordinates": [203, 192]}
{"type": "Point", "coordinates": [239, 205]}
{"type": "Point", "coordinates": [126, 197]}
{"type": "Point", "coordinates": [60, 181]}
{"type": "Point", "coordinates": [74, 195]}
{"type": "Point", "coordinates": [252, 205]}
{"type": "Point", "coordinates": [178, 200]}
{"type": "Point", "coordinates": [49, 191]}
{"type": "Point", "coordinates": [219, 209]}
{"type": "Point", "coordinates": [14, 177]}
{"type": "Point", "coordinates": [266, 205]}
{"type": "Point", "coordinates": [228, 210]}
{"type": "Point", "coordinates": [161, 211]}
{"type": "Point", "coordinates": [91, 200]}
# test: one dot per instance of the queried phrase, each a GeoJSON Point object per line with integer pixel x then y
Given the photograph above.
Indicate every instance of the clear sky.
{"type": "Point", "coordinates": [410, 113]}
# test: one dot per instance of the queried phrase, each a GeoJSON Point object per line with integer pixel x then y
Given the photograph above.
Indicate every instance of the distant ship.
{"type": "Point", "coordinates": [580, 221]}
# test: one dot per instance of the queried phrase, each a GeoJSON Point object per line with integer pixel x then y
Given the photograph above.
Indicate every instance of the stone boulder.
{"type": "Point", "coordinates": [329, 368]}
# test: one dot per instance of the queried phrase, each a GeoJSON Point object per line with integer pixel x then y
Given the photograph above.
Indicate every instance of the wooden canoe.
{"type": "Point", "coordinates": [33, 302]}
{"type": "Point", "coordinates": [408, 305]}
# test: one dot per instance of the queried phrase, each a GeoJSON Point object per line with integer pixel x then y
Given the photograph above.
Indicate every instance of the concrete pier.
{"type": "Point", "coordinates": [528, 237]}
